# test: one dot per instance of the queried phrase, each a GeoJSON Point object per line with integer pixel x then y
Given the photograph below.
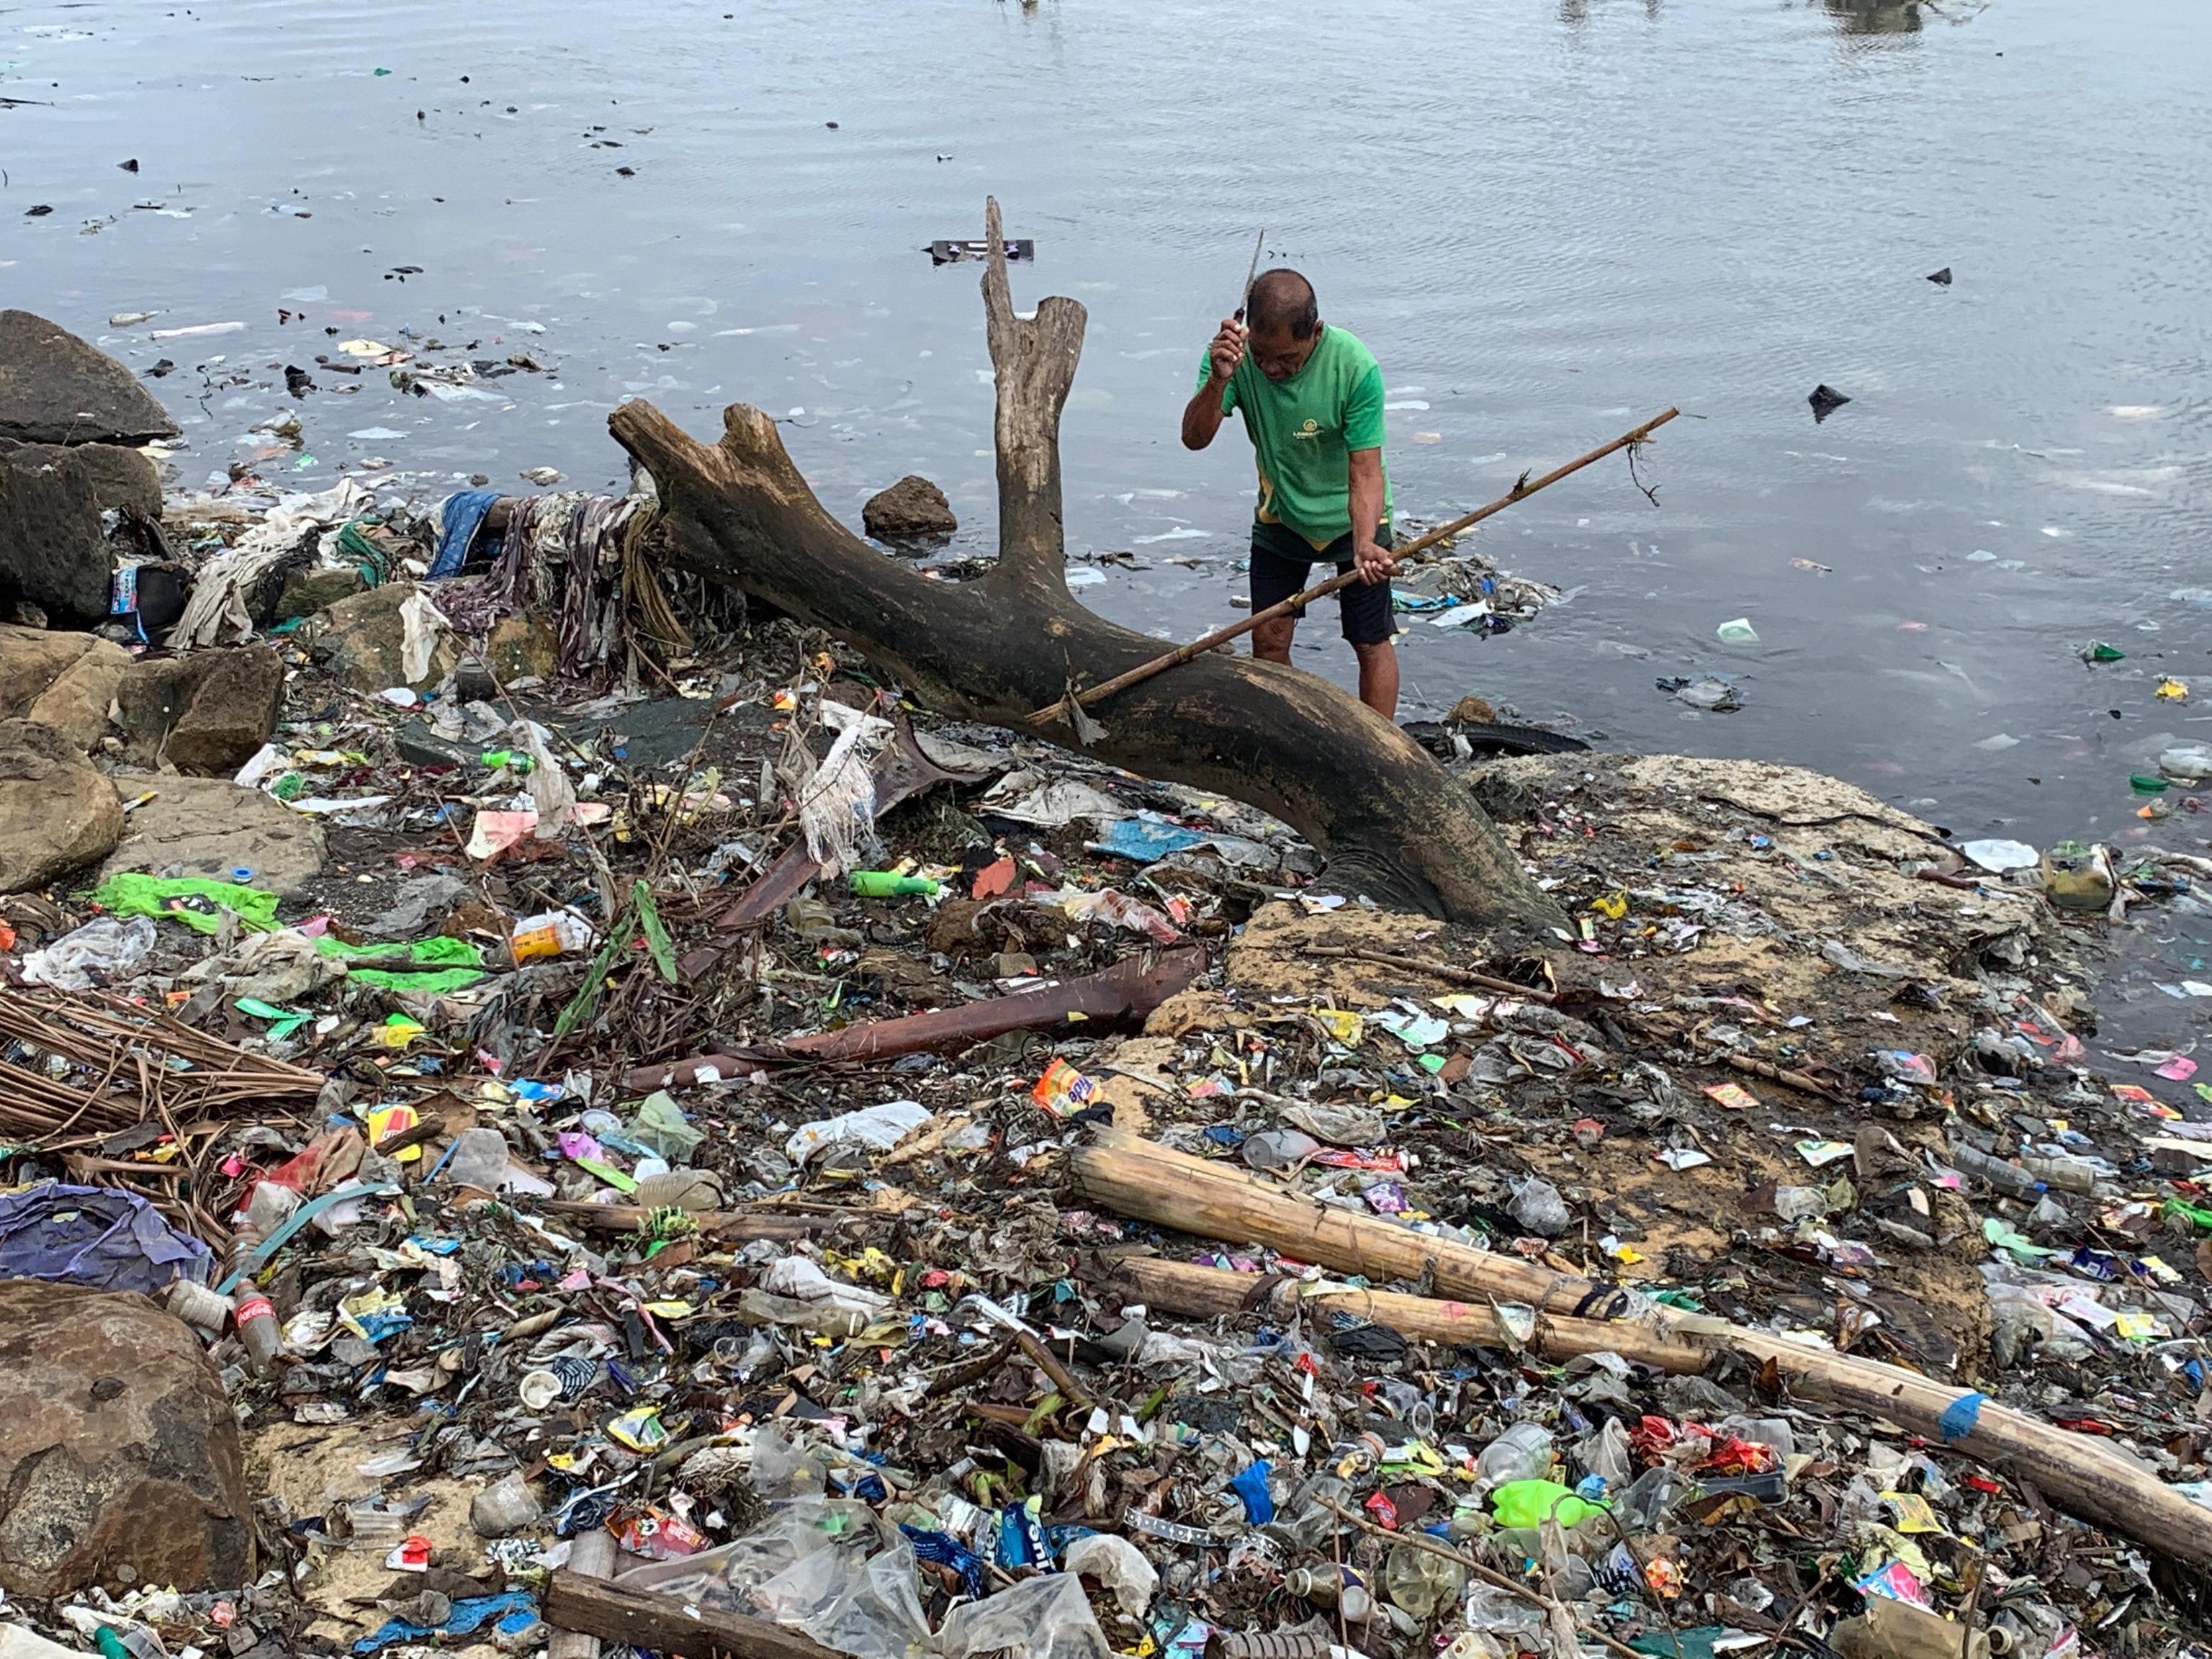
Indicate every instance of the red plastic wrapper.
{"type": "Point", "coordinates": [658, 1535]}
{"type": "Point", "coordinates": [1385, 1511]}
{"type": "Point", "coordinates": [1734, 1456]}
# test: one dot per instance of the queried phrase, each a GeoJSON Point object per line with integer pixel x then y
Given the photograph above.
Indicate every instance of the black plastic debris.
{"type": "Point", "coordinates": [1941, 278]}
{"type": "Point", "coordinates": [130, 166]}
{"type": "Point", "coordinates": [297, 381]}
{"type": "Point", "coordinates": [1826, 401]}
{"type": "Point", "coordinates": [39, 211]}
{"type": "Point", "coordinates": [1376, 1344]}
{"type": "Point", "coordinates": [946, 253]}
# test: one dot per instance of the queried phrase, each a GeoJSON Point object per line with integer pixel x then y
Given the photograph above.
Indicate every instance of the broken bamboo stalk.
{"type": "Point", "coordinates": [1522, 489]}
{"type": "Point", "coordinates": [1443, 970]}
{"type": "Point", "coordinates": [1195, 1291]}
{"type": "Point", "coordinates": [2078, 1471]}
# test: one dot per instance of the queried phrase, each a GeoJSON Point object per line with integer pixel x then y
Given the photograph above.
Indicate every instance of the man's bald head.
{"type": "Point", "coordinates": [1282, 303]}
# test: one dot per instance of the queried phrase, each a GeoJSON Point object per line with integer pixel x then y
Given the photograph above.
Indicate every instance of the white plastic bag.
{"type": "Point", "coordinates": [107, 946]}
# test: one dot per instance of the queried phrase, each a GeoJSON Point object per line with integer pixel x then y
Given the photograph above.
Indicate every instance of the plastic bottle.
{"type": "Point", "coordinates": [1333, 1587]}
{"type": "Point", "coordinates": [2068, 1174]}
{"type": "Point", "coordinates": [1529, 1503]}
{"type": "Point", "coordinates": [1523, 1452]}
{"type": "Point", "coordinates": [552, 933]}
{"type": "Point", "coordinates": [513, 760]}
{"type": "Point", "coordinates": [257, 1330]}
{"type": "Point", "coordinates": [1422, 1582]}
{"type": "Point", "coordinates": [886, 884]}
{"type": "Point", "coordinates": [198, 1305]}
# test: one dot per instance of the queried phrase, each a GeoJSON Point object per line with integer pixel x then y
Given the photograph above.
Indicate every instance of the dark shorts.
{"type": "Point", "coordinates": [1282, 561]}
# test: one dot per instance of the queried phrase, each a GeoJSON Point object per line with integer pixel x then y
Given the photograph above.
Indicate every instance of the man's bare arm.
{"type": "Point", "coordinates": [1202, 416]}
{"type": "Point", "coordinates": [1372, 561]}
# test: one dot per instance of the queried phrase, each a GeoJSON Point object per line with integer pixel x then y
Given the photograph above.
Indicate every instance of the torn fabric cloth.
{"type": "Point", "coordinates": [561, 558]}
{"type": "Point", "coordinates": [102, 1237]}
{"type": "Point", "coordinates": [460, 520]}
{"type": "Point", "coordinates": [218, 611]}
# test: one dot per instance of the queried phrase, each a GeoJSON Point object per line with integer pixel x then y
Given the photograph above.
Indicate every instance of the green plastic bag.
{"type": "Point", "coordinates": [431, 965]}
{"type": "Point", "coordinates": [193, 900]}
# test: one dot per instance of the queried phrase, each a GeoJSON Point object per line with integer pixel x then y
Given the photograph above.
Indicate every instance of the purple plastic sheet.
{"type": "Point", "coordinates": [95, 1235]}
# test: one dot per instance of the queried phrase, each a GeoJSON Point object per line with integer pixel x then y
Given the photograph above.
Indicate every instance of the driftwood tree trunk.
{"type": "Point", "coordinates": [1391, 822]}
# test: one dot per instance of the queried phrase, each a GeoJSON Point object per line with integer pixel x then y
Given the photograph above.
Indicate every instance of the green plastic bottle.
{"type": "Point", "coordinates": [1530, 1503]}
{"type": "Point", "coordinates": [885, 883]}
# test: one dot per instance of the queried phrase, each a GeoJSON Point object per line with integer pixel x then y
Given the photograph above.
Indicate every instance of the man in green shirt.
{"type": "Point", "coordinates": [1311, 396]}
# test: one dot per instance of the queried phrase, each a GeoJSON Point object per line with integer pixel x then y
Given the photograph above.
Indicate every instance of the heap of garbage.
{"type": "Point", "coordinates": [539, 1110]}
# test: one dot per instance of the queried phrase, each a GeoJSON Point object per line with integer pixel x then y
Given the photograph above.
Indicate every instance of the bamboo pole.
{"type": "Point", "coordinates": [1194, 1292]}
{"type": "Point", "coordinates": [1194, 1195]}
{"type": "Point", "coordinates": [2079, 1472]}
{"type": "Point", "coordinates": [1522, 489]}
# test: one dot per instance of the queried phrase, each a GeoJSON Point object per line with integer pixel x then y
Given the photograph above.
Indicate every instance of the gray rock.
{"type": "Point", "coordinates": [53, 550]}
{"type": "Point", "coordinates": [117, 1448]}
{"type": "Point", "coordinates": [203, 713]}
{"type": "Point", "coordinates": [57, 812]}
{"type": "Point", "coordinates": [119, 478]}
{"type": "Point", "coordinates": [913, 509]}
{"type": "Point", "coordinates": [66, 681]}
{"type": "Point", "coordinates": [316, 589]}
{"type": "Point", "coordinates": [210, 827]}
{"type": "Point", "coordinates": [57, 389]}
{"type": "Point", "coordinates": [361, 639]}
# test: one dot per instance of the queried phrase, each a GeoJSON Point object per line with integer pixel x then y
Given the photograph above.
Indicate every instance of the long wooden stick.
{"type": "Point", "coordinates": [2079, 1472]}
{"type": "Point", "coordinates": [1185, 1288]}
{"type": "Point", "coordinates": [1183, 654]}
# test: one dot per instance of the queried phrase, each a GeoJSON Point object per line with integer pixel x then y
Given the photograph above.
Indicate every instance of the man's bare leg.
{"type": "Point", "coordinates": [1271, 641]}
{"type": "Point", "coordinates": [1378, 676]}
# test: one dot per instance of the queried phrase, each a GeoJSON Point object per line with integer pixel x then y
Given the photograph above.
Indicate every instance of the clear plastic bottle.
{"type": "Point", "coordinates": [1422, 1582]}
{"type": "Point", "coordinates": [1523, 1452]}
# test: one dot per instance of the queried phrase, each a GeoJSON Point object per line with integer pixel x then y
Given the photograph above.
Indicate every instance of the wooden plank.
{"type": "Point", "coordinates": [667, 1624]}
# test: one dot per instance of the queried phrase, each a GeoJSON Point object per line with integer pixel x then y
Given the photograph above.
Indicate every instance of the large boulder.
{"type": "Point", "coordinates": [57, 389]}
{"type": "Point", "coordinates": [119, 478]}
{"type": "Point", "coordinates": [363, 641]}
{"type": "Point", "coordinates": [119, 1459]}
{"type": "Point", "coordinates": [913, 509]}
{"type": "Point", "coordinates": [53, 550]}
{"type": "Point", "coordinates": [67, 681]}
{"type": "Point", "coordinates": [205, 714]}
{"type": "Point", "coordinates": [57, 812]}
{"type": "Point", "coordinates": [210, 827]}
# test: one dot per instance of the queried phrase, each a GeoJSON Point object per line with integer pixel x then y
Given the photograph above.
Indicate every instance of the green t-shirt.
{"type": "Point", "coordinates": [1303, 431]}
